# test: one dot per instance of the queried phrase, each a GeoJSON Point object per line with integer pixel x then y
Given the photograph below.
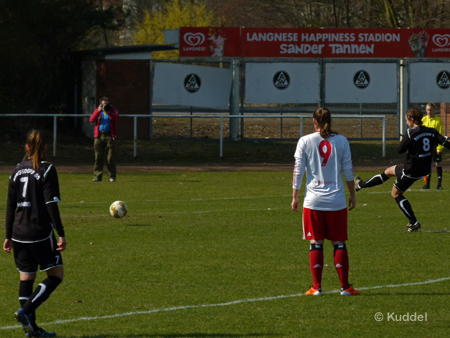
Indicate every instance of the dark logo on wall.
{"type": "Point", "coordinates": [192, 83]}
{"type": "Point", "coordinates": [361, 79]}
{"type": "Point", "coordinates": [443, 79]}
{"type": "Point", "coordinates": [281, 80]}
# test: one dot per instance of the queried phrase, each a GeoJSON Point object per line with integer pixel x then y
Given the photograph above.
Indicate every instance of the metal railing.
{"type": "Point", "coordinates": [221, 117]}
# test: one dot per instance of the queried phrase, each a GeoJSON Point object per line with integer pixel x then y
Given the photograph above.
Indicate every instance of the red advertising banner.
{"type": "Point", "coordinates": [210, 42]}
{"type": "Point", "coordinates": [345, 43]}
{"type": "Point", "coordinates": [314, 43]}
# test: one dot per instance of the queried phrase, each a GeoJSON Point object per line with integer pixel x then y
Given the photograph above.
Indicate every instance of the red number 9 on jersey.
{"type": "Point", "coordinates": [325, 151]}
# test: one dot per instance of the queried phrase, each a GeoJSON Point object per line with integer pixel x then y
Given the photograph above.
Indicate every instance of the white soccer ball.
{"type": "Point", "coordinates": [118, 209]}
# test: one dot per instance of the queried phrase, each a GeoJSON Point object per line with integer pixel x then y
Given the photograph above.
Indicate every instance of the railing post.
{"type": "Point", "coordinates": [384, 136]}
{"type": "Point", "coordinates": [54, 135]}
{"type": "Point", "coordinates": [221, 136]}
{"type": "Point", "coordinates": [301, 126]}
{"type": "Point", "coordinates": [135, 137]}
{"type": "Point", "coordinates": [192, 113]}
{"type": "Point", "coordinates": [360, 122]}
{"type": "Point", "coordinates": [281, 122]}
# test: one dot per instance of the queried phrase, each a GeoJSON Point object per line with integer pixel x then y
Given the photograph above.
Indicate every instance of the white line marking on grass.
{"type": "Point", "coordinates": [180, 200]}
{"type": "Point", "coordinates": [241, 301]}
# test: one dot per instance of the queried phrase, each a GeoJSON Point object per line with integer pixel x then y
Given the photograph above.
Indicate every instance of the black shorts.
{"type": "Point", "coordinates": [29, 256]}
{"type": "Point", "coordinates": [403, 182]}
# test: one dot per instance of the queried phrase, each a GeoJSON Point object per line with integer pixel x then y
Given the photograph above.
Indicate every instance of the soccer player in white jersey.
{"type": "Point", "coordinates": [324, 156]}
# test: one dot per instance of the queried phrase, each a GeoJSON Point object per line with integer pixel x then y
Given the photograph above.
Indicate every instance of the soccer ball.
{"type": "Point", "coordinates": [118, 209]}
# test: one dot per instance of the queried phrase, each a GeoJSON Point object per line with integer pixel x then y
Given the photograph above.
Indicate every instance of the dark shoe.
{"type": "Point", "coordinates": [413, 227]}
{"type": "Point", "coordinates": [426, 187]}
{"type": "Point", "coordinates": [96, 180]}
{"type": "Point", "coordinates": [357, 186]}
{"type": "Point", "coordinates": [112, 179]}
{"type": "Point", "coordinates": [438, 187]}
{"type": "Point", "coordinates": [25, 320]}
{"type": "Point", "coordinates": [41, 333]}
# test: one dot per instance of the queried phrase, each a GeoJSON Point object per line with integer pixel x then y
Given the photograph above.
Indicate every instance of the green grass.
{"type": "Point", "coordinates": [195, 242]}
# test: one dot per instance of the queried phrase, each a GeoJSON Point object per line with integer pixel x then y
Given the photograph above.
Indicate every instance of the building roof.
{"type": "Point", "coordinates": [125, 52]}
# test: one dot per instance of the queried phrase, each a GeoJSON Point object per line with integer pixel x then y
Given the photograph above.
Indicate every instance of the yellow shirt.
{"type": "Point", "coordinates": [435, 123]}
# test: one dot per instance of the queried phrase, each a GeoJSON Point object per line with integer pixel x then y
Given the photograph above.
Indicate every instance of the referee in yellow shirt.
{"type": "Point", "coordinates": [433, 121]}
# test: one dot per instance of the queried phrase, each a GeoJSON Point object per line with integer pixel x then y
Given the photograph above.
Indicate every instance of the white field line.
{"type": "Point", "coordinates": [183, 200]}
{"type": "Point", "coordinates": [241, 301]}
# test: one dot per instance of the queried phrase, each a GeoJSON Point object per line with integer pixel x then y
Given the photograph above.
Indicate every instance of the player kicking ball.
{"type": "Point", "coordinates": [419, 142]}
{"type": "Point", "coordinates": [324, 156]}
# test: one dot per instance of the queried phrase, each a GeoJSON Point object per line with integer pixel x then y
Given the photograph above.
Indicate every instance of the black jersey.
{"type": "Point", "coordinates": [420, 142]}
{"type": "Point", "coordinates": [27, 216]}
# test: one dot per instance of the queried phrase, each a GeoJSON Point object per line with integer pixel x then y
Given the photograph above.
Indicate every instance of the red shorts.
{"type": "Point", "coordinates": [320, 225]}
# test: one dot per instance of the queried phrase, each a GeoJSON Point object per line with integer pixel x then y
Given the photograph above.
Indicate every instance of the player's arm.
{"type": "Point", "coordinates": [404, 143]}
{"type": "Point", "coordinates": [352, 198]}
{"type": "Point", "coordinates": [55, 218]}
{"type": "Point", "coordinates": [440, 130]}
{"type": "Point", "coordinates": [294, 203]}
{"type": "Point", "coordinates": [299, 170]}
{"type": "Point", "coordinates": [11, 205]}
{"type": "Point", "coordinates": [347, 169]}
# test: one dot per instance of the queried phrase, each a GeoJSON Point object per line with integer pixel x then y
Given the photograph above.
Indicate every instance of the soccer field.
{"type": "Point", "coordinates": [220, 254]}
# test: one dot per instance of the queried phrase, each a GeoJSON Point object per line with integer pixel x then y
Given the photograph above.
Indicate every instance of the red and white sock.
{"type": "Point", "coordinates": [316, 264]}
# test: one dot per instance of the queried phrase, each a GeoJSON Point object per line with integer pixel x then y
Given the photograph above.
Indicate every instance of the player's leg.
{"type": "Point", "coordinates": [111, 160]}
{"type": "Point", "coordinates": [313, 222]}
{"type": "Point", "coordinates": [427, 182]}
{"type": "Point", "coordinates": [438, 160]}
{"type": "Point", "coordinates": [399, 187]}
{"type": "Point", "coordinates": [50, 261]}
{"type": "Point", "coordinates": [375, 180]}
{"type": "Point", "coordinates": [336, 231]}
{"type": "Point", "coordinates": [27, 266]}
{"type": "Point", "coordinates": [99, 151]}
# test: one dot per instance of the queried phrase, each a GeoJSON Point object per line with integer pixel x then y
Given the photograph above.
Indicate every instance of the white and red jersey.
{"type": "Point", "coordinates": [324, 160]}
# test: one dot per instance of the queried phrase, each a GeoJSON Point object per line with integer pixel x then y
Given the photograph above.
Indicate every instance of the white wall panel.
{"type": "Point", "coordinates": [282, 82]}
{"type": "Point", "coordinates": [429, 82]}
{"type": "Point", "coordinates": [188, 85]}
{"type": "Point", "coordinates": [361, 82]}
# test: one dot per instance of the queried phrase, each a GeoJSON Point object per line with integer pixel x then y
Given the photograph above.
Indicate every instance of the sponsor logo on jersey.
{"type": "Point", "coordinates": [24, 204]}
{"type": "Point", "coordinates": [443, 79]}
{"type": "Point", "coordinates": [192, 83]}
{"type": "Point", "coordinates": [281, 80]}
{"type": "Point", "coordinates": [361, 79]}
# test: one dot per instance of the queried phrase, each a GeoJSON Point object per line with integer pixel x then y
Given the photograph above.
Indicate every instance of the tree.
{"type": "Point", "coordinates": [37, 66]}
{"type": "Point", "coordinates": [175, 14]}
{"type": "Point", "coordinates": [37, 38]}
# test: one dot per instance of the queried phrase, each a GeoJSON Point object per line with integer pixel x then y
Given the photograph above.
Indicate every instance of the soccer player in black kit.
{"type": "Point", "coordinates": [31, 215]}
{"type": "Point", "coordinates": [418, 142]}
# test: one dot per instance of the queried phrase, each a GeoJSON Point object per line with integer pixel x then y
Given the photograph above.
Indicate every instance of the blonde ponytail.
{"type": "Point", "coordinates": [322, 116]}
{"type": "Point", "coordinates": [36, 147]}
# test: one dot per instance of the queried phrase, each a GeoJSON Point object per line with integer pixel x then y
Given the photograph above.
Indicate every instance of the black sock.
{"type": "Point", "coordinates": [25, 291]}
{"type": "Point", "coordinates": [376, 180]}
{"type": "Point", "coordinates": [406, 208]}
{"type": "Point", "coordinates": [439, 174]}
{"type": "Point", "coordinates": [41, 294]}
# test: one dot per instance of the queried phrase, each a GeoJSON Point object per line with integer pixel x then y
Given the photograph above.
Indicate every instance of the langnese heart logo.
{"type": "Point", "coordinates": [194, 39]}
{"type": "Point", "coordinates": [441, 40]}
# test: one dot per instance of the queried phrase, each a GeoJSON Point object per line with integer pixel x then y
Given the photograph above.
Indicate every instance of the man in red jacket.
{"type": "Point", "coordinates": [104, 119]}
